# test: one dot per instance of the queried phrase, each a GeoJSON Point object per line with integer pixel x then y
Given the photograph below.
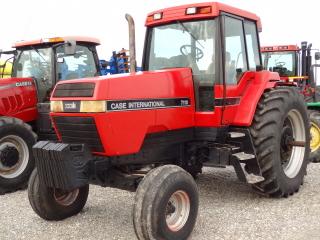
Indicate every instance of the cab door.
{"type": "Point", "coordinates": [240, 59]}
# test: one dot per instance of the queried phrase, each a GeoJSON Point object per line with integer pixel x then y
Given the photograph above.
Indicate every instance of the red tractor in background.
{"type": "Point", "coordinates": [295, 64]}
{"type": "Point", "coordinates": [24, 98]}
{"type": "Point", "coordinates": [202, 100]}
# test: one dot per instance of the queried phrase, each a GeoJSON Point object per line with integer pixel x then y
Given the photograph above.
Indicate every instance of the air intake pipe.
{"type": "Point", "coordinates": [132, 43]}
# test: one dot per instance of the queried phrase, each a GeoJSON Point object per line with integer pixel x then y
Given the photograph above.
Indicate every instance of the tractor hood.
{"type": "Point", "coordinates": [103, 111]}
{"type": "Point", "coordinates": [171, 83]}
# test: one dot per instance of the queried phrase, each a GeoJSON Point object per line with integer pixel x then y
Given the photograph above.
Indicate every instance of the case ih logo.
{"type": "Point", "coordinates": [23, 84]}
{"type": "Point", "coordinates": [122, 105]}
{"type": "Point", "coordinates": [71, 106]}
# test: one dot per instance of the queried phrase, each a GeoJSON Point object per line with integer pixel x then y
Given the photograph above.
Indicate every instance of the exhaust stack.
{"type": "Point", "coordinates": [132, 43]}
{"type": "Point", "coordinates": [304, 46]}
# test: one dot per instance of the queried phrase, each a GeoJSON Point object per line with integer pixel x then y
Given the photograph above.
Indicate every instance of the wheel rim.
{"type": "Point", "coordinates": [65, 198]}
{"type": "Point", "coordinates": [315, 137]}
{"type": "Point", "coordinates": [292, 156]}
{"type": "Point", "coordinates": [177, 210]}
{"type": "Point", "coordinates": [14, 156]}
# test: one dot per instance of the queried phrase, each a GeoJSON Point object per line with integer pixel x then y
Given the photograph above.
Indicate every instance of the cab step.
{"type": "Point", "coordinates": [236, 134]}
{"type": "Point", "coordinates": [243, 175]}
{"type": "Point", "coordinates": [242, 156]}
{"type": "Point", "coordinates": [253, 179]}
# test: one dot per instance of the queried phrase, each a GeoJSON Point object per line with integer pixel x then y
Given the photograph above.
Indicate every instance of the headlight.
{"type": "Point", "coordinates": [56, 106]}
{"type": "Point", "coordinates": [93, 106]}
{"type": "Point", "coordinates": [78, 106]}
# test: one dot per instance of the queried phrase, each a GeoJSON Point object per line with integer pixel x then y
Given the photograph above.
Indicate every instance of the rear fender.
{"type": "Point", "coordinates": [262, 81]}
{"type": "Point", "coordinates": [18, 98]}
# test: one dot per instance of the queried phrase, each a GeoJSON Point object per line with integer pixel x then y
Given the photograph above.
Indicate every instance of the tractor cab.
{"type": "Point", "coordinates": [282, 59]}
{"type": "Point", "coordinates": [220, 50]}
{"type": "Point", "coordinates": [48, 61]}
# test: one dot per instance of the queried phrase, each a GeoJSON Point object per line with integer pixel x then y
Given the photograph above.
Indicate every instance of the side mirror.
{"type": "Point", "coordinates": [317, 56]}
{"type": "Point", "coordinates": [70, 47]}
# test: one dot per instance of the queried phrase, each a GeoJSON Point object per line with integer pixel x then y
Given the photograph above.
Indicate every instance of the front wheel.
{"type": "Point", "coordinates": [55, 204]}
{"type": "Point", "coordinates": [166, 204]}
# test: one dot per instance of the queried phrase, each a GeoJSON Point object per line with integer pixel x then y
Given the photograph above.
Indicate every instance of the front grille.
{"type": "Point", "coordinates": [79, 130]}
{"type": "Point", "coordinates": [74, 90]}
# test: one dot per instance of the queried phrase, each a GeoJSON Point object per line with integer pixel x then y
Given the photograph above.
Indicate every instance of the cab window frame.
{"type": "Point", "coordinates": [224, 16]}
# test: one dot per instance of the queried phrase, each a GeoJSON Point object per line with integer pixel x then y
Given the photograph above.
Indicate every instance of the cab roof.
{"type": "Point", "coordinates": [205, 10]}
{"type": "Point", "coordinates": [280, 48]}
{"type": "Point", "coordinates": [53, 40]}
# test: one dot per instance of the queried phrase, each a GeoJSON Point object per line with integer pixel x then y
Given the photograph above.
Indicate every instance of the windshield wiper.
{"type": "Point", "coordinates": [187, 30]}
{"type": "Point", "coordinates": [37, 51]}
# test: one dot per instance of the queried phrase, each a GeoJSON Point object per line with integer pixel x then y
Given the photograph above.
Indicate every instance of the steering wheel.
{"type": "Point", "coordinates": [185, 52]}
{"type": "Point", "coordinates": [280, 64]}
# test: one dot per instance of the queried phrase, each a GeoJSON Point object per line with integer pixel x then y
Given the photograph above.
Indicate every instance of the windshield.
{"type": "Point", "coordinates": [281, 62]}
{"type": "Point", "coordinates": [34, 63]}
{"type": "Point", "coordinates": [183, 44]}
{"type": "Point", "coordinates": [79, 65]}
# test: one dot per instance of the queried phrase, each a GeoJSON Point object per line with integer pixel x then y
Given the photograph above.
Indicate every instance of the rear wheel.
{"type": "Point", "coordinates": [315, 136]}
{"type": "Point", "coordinates": [166, 204]}
{"type": "Point", "coordinates": [280, 132]}
{"type": "Point", "coordinates": [16, 158]}
{"type": "Point", "coordinates": [55, 204]}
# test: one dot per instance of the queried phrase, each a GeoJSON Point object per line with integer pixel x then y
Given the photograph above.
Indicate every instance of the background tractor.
{"type": "Point", "coordinates": [24, 106]}
{"type": "Point", "coordinates": [294, 64]}
{"type": "Point", "coordinates": [5, 68]}
{"type": "Point", "coordinates": [202, 100]}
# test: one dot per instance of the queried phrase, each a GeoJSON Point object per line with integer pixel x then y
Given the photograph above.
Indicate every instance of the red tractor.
{"type": "Point", "coordinates": [202, 100]}
{"type": "Point", "coordinates": [24, 106]}
{"type": "Point", "coordinates": [295, 64]}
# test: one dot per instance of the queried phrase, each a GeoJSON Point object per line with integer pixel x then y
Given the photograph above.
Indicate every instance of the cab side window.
{"type": "Point", "coordinates": [252, 45]}
{"type": "Point", "coordinates": [235, 51]}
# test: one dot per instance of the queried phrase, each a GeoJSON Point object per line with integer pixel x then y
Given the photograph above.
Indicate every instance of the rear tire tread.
{"type": "Point", "coordinates": [264, 139]}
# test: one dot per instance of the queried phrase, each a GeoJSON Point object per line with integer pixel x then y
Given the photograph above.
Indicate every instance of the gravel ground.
{"type": "Point", "coordinates": [228, 210]}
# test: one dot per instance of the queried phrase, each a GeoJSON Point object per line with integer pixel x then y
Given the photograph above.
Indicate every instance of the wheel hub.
{"type": "Point", "coordinates": [286, 140]}
{"type": "Point", "coordinates": [177, 210]}
{"type": "Point", "coordinates": [170, 208]}
{"type": "Point", "coordinates": [14, 156]}
{"type": "Point", "coordinates": [9, 156]}
{"type": "Point", "coordinates": [65, 198]}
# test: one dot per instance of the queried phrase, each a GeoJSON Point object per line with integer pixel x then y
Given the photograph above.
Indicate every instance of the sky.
{"type": "Point", "coordinates": [283, 21]}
